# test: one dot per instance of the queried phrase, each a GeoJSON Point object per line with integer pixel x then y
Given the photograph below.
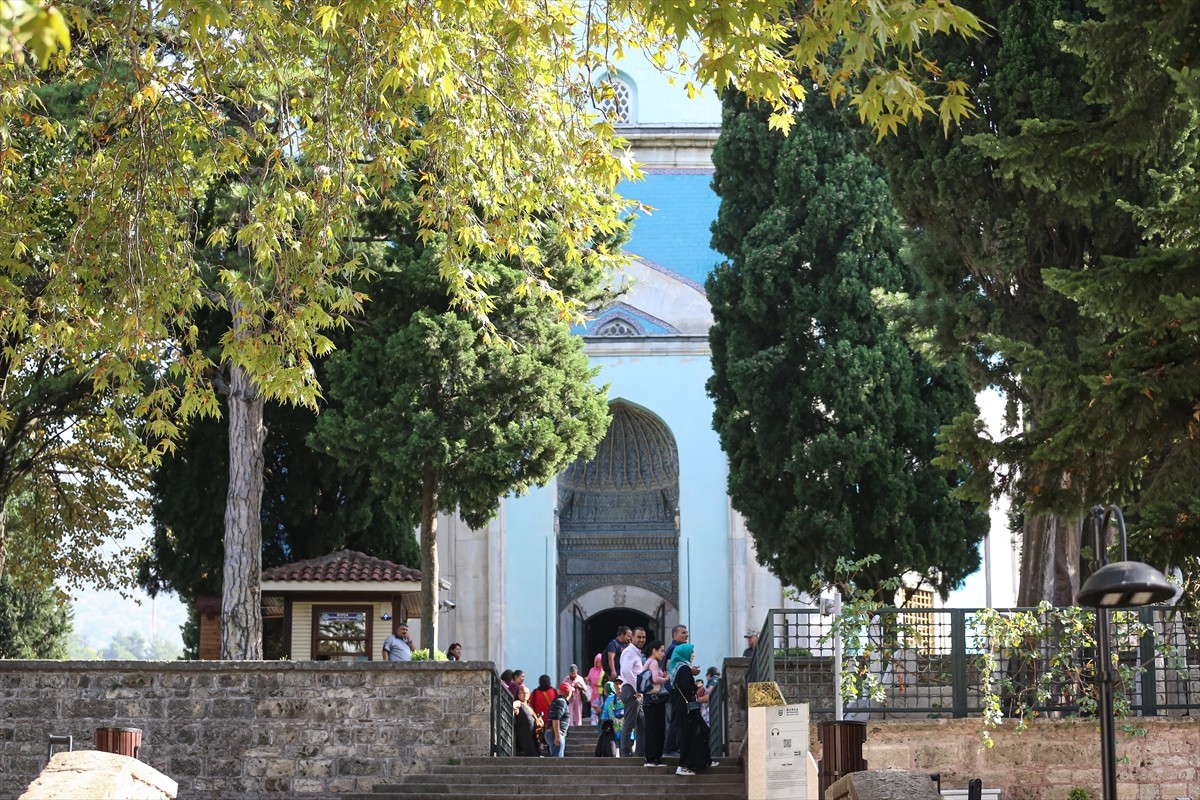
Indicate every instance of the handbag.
{"type": "Point", "coordinates": [692, 705]}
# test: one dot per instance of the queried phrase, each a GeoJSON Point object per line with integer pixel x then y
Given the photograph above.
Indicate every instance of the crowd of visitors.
{"type": "Point", "coordinates": [645, 698]}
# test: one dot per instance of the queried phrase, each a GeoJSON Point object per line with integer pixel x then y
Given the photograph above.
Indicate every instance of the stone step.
{"type": "Point", "coordinates": [686, 787]}
{"type": "Point", "coordinates": [564, 778]}
{"type": "Point", "coordinates": [534, 773]}
{"type": "Point", "coordinates": [570, 763]}
{"type": "Point", "coordinates": [665, 785]}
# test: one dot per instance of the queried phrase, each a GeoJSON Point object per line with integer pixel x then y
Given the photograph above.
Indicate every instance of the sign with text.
{"type": "Point", "coordinates": [786, 736]}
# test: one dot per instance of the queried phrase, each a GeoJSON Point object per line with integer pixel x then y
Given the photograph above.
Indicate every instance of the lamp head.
{"type": "Point", "coordinates": [1125, 584]}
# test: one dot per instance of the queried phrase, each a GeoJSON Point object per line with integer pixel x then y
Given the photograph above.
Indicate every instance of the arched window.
{"type": "Point", "coordinates": [616, 100]}
{"type": "Point", "coordinates": [616, 327]}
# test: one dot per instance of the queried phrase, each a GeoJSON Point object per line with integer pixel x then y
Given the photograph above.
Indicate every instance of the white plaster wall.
{"type": "Point", "coordinates": [682, 306]}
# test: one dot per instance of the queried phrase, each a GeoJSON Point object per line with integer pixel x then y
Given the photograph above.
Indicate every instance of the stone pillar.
{"type": "Point", "coordinates": [734, 670]}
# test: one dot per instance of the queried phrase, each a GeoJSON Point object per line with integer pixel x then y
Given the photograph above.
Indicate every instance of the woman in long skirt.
{"type": "Point", "coordinates": [524, 725]}
{"type": "Point", "coordinates": [693, 733]}
{"type": "Point", "coordinates": [579, 691]}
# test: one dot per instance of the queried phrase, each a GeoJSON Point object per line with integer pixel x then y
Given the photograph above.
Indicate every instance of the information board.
{"type": "Point", "coordinates": [786, 735]}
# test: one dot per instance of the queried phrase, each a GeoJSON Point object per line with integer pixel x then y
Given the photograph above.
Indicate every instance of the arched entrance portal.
{"type": "Point", "coordinates": [599, 629]}
{"type": "Point", "coordinates": [617, 522]}
{"type": "Point", "coordinates": [592, 619]}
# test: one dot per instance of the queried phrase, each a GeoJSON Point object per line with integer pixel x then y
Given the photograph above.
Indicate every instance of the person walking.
{"type": "Point", "coordinates": [693, 733]}
{"type": "Point", "coordinates": [579, 692]}
{"type": "Point", "coordinates": [595, 678]}
{"type": "Point", "coordinates": [635, 723]}
{"type": "Point", "coordinates": [654, 705]}
{"type": "Point", "coordinates": [558, 722]}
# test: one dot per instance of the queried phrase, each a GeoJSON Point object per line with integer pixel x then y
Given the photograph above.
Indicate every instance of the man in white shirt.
{"type": "Point", "coordinates": [632, 663]}
{"type": "Point", "coordinates": [398, 646]}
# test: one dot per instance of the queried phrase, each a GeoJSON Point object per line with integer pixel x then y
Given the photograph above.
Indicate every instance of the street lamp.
{"type": "Point", "coordinates": [1125, 584]}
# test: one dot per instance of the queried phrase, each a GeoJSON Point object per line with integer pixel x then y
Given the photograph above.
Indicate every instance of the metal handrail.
{"type": "Point", "coordinates": [718, 717]}
{"type": "Point", "coordinates": [503, 737]}
{"type": "Point", "coordinates": [929, 662]}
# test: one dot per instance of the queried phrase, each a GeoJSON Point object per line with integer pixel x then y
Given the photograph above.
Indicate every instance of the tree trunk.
{"type": "Point", "coordinates": [3, 533]}
{"type": "Point", "coordinates": [241, 603]}
{"type": "Point", "coordinates": [429, 561]}
{"type": "Point", "coordinates": [1049, 560]}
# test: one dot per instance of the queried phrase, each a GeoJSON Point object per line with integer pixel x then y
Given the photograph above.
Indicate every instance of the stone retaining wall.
{"type": "Point", "coordinates": [251, 729]}
{"type": "Point", "coordinates": [1047, 760]}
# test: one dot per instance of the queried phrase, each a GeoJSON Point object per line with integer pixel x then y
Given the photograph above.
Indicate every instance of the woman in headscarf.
{"type": "Point", "coordinates": [595, 678]}
{"type": "Point", "coordinates": [693, 733]}
{"type": "Point", "coordinates": [611, 708]}
{"type": "Point", "coordinates": [579, 690]}
{"type": "Point", "coordinates": [542, 697]}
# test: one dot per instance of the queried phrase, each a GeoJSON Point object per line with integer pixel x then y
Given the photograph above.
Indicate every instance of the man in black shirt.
{"type": "Point", "coordinates": [612, 653]}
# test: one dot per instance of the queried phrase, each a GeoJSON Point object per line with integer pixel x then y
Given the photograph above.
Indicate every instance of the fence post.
{"type": "Point", "coordinates": [1149, 665]}
{"type": "Point", "coordinates": [958, 651]}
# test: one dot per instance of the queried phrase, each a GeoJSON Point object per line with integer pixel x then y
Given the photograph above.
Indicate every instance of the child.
{"type": "Point", "coordinates": [606, 744]}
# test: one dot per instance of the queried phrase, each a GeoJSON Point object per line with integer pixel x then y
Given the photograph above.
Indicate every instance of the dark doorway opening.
{"type": "Point", "coordinates": [600, 628]}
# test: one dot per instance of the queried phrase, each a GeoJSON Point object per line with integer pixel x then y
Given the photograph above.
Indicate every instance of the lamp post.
{"type": "Point", "coordinates": [1124, 584]}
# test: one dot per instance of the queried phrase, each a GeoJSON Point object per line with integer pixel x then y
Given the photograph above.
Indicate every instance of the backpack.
{"type": "Point", "coordinates": [650, 692]}
{"type": "Point", "coordinates": [645, 682]}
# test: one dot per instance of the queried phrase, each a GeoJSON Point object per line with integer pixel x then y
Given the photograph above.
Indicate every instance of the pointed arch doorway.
{"type": "Point", "coordinates": [617, 522]}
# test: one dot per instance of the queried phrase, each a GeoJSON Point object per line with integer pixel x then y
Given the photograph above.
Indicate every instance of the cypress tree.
{"type": "Point", "coordinates": [827, 416]}
{"type": "Point", "coordinates": [1032, 225]}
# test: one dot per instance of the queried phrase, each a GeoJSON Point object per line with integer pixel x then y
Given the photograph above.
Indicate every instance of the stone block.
{"type": "Point", "coordinates": [225, 708]}
{"type": "Point", "coordinates": [315, 735]}
{"type": "Point", "coordinates": [185, 766]}
{"type": "Point", "coordinates": [93, 774]}
{"type": "Point", "coordinates": [884, 784]}
{"type": "Point", "coordinates": [314, 767]}
{"type": "Point", "coordinates": [355, 766]}
{"type": "Point", "coordinates": [277, 785]}
{"type": "Point", "coordinates": [281, 708]}
{"type": "Point", "coordinates": [460, 677]}
{"type": "Point", "coordinates": [308, 786]}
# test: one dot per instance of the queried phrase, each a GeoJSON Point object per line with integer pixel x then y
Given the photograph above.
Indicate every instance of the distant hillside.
{"type": "Point", "coordinates": [101, 615]}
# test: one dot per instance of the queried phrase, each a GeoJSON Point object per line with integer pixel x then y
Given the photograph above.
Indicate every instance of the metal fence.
{"type": "Point", "coordinates": [503, 738]}
{"type": "Point", "coordinates": [718, 721]}
{"type": "Point", "coordinates": [934, 662]}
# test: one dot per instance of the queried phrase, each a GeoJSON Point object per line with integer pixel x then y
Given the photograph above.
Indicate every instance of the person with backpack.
{"type": "Point", "coordinates": [558, 722]}
{"type": "Point", "coordinates": [611, 710]}
{"type": "Point", "coordinates": [542, 697]}
{"type": "Point", "coordinates": [655, 688]}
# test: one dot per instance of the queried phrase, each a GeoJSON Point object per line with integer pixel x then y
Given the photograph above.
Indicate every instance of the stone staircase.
{"type": "Point", "coordinates": [578, 775]}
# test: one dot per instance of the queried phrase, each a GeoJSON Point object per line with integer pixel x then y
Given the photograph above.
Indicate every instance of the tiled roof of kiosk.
{"type": "Point", "coordinates": [344, 565]}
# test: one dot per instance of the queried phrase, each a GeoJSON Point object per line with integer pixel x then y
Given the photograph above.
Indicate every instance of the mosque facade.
{"type": "Point", "coordinates": [644, 533]}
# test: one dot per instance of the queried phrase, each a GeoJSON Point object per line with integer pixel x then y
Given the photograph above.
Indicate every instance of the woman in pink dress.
{"type": "Point", "coordinates": [579, 689]}
{"type": "Point", "coordinates": [595, 677]}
